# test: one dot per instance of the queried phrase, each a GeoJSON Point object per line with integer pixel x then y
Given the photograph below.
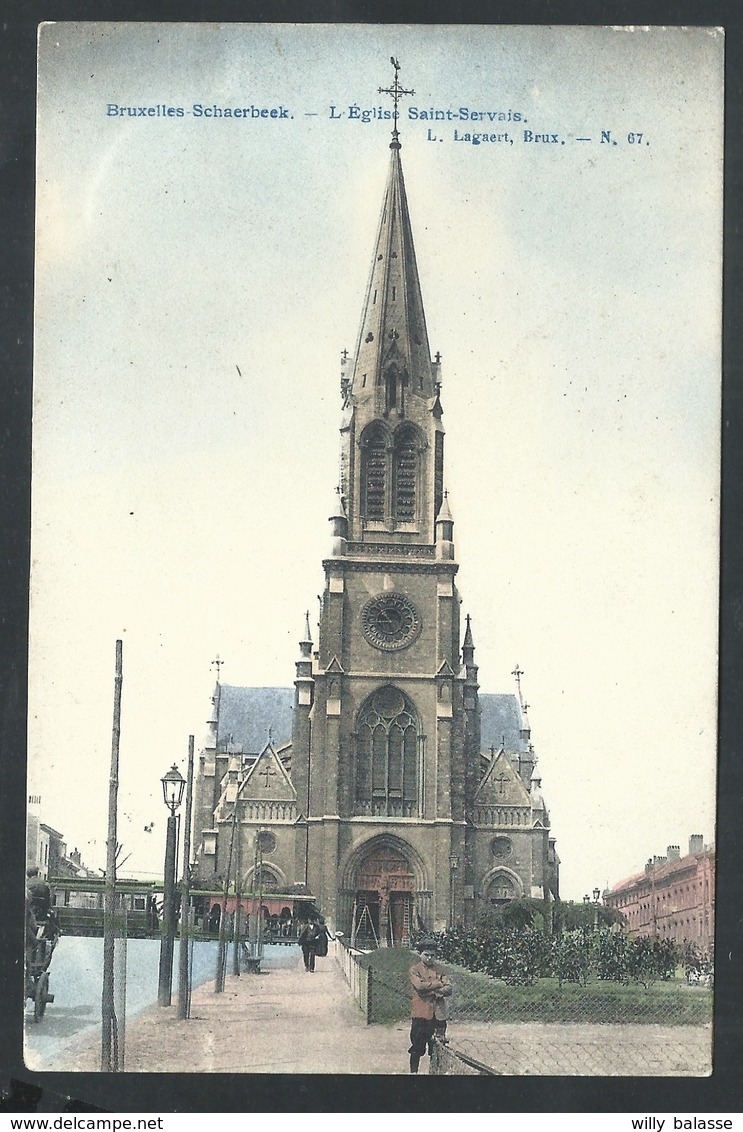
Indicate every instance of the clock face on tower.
{"type": "Point", "coordinates": [390, 621]}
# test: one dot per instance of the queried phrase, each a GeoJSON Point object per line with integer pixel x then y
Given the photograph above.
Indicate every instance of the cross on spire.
{"type": "Point", "coordinates": [395, 92]}
{"type": "Point", "coordinates": [217, 663]}
{"type": "Point", "coordinates": [518, 673]}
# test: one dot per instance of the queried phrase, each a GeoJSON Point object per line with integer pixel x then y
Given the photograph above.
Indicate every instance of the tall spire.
{"type": "Point", "coordinates": [393, 358]}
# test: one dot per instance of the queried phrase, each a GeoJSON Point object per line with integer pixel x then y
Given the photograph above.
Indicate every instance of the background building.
{"type": "Point", "coordinates": [673, 898]}
{"type": "Point", "coordinates": [46, 850]}
{"type": "Point", "coordinates": [386, 784]}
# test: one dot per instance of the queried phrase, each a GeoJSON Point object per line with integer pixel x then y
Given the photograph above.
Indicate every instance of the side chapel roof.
{"type": "Point", "coordinates": [245, 715]}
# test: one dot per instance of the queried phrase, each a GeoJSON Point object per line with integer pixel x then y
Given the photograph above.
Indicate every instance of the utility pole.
{"type": "Point", "coordinates": [184, 979]}
{"type": "Point", "coordinates": [222, 951]}
{"type": "Point", "coordinates": [109, 1034]}
{"type": "Point", "coordinates": [236, 921]}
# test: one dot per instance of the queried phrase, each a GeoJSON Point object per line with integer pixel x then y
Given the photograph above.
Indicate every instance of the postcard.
{"type": "Point", "coordinates": [375, 541]}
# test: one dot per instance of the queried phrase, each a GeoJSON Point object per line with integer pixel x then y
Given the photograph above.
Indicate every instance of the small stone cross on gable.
{"type": "Point", "coordinates": [267, 773]}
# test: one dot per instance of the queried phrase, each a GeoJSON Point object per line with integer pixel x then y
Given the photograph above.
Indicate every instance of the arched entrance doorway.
{"type": "Point", "coordinates": [383, 898]}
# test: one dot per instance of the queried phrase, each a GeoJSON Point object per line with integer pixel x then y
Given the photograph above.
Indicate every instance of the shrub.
{"type": "Point", "coordinates": [612, 956]}
{"type": "Point", "coordinates": [698, 965]}
{"type": "Point", "coordinates": [570, 958]}
{"type": "Point", "coordinates": [522, 957]}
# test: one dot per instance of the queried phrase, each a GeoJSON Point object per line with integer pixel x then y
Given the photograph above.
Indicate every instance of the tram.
{"type": "Point", "coordinates": [78, 903]}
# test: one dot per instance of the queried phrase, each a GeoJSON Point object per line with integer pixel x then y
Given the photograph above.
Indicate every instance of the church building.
{"type": "Point", "coordinates": [388, 787]}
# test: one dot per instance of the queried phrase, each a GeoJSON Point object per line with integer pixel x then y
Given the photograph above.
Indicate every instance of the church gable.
{"type": "Point", "coordinates": [267, 779]}
{"type": "Point", "coordinates": [501, 800]}
{"type": "Point", "coordinates": [501, 785]}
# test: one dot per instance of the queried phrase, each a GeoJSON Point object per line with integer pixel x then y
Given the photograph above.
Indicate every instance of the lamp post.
{"type": "Point", "coordinates": [586, 905]}
{"type": "Point", "coordinates": [453, 867]}
{"type": "Point", "coordinates": [172, 783]}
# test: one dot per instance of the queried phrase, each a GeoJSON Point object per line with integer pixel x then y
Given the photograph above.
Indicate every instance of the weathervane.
{"type": "Point", "coordinates": [395, 92]}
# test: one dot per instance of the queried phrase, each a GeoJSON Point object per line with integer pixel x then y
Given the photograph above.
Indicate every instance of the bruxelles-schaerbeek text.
{"type": "Point", "coordinates": [431, 118]}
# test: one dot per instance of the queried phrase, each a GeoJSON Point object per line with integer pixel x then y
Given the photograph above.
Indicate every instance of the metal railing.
{"type": "Point", "coordinates": [358, 978]}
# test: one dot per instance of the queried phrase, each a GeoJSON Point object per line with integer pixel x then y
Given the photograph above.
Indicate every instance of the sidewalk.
{"type": "Point", "coordinates": [281, 1021]}
{"type": "Point", "coordinates": [289, 1021]}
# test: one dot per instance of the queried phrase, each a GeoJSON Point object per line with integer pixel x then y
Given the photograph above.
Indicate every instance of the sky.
{"type": "Point", "coordinates": [197, 279]}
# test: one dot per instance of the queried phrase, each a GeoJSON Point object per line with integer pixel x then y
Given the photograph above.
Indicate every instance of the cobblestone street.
{"type": "Point", "coordinates": [529, 1048]}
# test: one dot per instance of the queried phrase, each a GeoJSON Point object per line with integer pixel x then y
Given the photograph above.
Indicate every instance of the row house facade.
{"type": "Point", "coordinates": [674, 896]}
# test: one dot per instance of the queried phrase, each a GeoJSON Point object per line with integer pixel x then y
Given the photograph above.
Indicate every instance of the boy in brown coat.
{"type": "Point", "coordinates": [431, 989]}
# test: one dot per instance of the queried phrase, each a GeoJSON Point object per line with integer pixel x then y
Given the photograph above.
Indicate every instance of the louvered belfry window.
{"type": "Point", "coordinates": [406, 474]}
{"type": "Point", "coordinates": [375, 476]}
{"type": "Point", "coordinates": [438, 474]}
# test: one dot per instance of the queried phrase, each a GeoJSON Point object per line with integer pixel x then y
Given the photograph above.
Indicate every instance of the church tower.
{"type": "Point", "coordinates": [385, 807]}
{"type": "Point", "coordinates": [385, 769]}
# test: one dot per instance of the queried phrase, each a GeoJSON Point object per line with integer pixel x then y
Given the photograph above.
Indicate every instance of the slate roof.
{"type": "Point", "coordinates": [394, 327]}
{"type": "Point", "coordinates": [245, 715]}
{"type": "Point", "coordinates": [500, 716]}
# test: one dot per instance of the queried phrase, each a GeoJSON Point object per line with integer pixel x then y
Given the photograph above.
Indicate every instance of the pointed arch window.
{"type": "Point", "coordinates": [390, 479]}
{"type": "Point", "coordinates": [406, 476]}
{"type": "Point", "coordinates": [388, 746]}
{"type": "Point", "coordinates": [390, 388]}
{"type": "Point", "coordinates": [375, 475]}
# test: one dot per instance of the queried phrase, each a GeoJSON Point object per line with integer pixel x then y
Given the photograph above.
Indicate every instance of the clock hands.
{"type": "Point", "coordinates": [390, 617]}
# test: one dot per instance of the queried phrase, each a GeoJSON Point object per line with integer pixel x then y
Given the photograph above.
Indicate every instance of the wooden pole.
{"type": "Point", "coordinates": [222, 951]}
{"type": "Point", "coordinates": [109, 1044]}
{"type": "Point", "coordinates": [260, 898]}
{"type": "Point", "coordinates": [238, 898]}
{"type": "Point", "coordinates": [253, 914]}
{"type": "Point", "coordinates": [184, 982]}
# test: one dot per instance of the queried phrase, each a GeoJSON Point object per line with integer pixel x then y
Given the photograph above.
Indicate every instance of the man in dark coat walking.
{"type": "Point", "coordinates": [308, 939]}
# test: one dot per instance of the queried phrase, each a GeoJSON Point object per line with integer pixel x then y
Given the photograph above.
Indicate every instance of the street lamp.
{"type": "Point", "coordinates": [172, 783]}
{"type": "Point", "coordinates": [586, 904]}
